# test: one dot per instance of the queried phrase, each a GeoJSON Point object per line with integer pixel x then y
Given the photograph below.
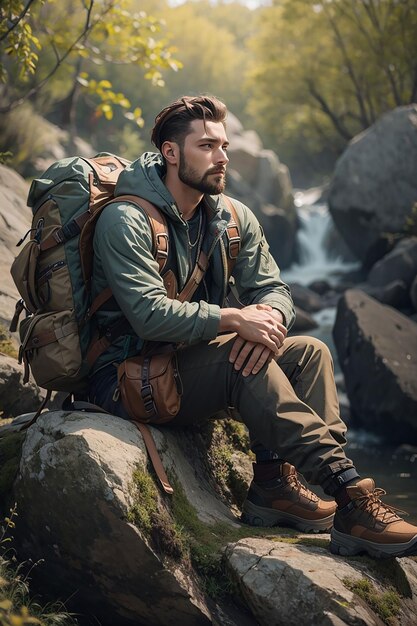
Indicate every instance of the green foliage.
{"type": "Point", "coordinates": [78, 41]}
{"type": "Point", "coordinates": [324, 71]}
{"type": "Point", "coordinates": [386, 605]}
{"type": "Point", "coordinates": [17, 39]}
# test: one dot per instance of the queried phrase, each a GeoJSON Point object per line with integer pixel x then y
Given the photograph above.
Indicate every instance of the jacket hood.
{"type": "Point", "coordinates": [144, 178]}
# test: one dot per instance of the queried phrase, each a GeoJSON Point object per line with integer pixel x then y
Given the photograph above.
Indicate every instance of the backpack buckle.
{"type": "Point", "coordinates": [147, 396]}
{"type": "Point", "coordinates": [234, 247]}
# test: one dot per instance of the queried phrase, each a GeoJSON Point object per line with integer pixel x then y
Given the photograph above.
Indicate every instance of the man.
{"type": "Point", "coordinates": [283, 388]}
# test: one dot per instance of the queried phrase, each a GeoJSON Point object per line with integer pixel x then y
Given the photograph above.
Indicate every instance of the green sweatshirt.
{"type": "Point", "coordinates": [124, 261]}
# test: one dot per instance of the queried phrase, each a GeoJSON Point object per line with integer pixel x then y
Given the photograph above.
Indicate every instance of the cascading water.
{"type": "Point", "coordinates": [317, 242]}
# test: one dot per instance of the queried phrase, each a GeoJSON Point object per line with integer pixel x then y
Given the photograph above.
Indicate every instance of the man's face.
{"type": "Point", "coordinates": [203, 157]}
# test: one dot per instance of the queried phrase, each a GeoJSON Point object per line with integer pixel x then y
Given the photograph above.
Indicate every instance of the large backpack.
{"type": "Point", "coordinates": [53, 271]}
{"type": "Point", "coordinates": [59, 338]}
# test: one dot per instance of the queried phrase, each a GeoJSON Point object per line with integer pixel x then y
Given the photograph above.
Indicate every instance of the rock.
{"type": "Point", "coordinates": [83, 465]}
{"type": "Point", "coordinates": [374, 184]}
{"type": "Point", "coordinates": [84, 519]}
{"type": "Point", "coordinates": [395, 293]}
{"type": "Point", "coordinates": [258, 179]}
{"type": "Point", "coordinates": [399, 264]}
{"type": "Point", "coordinates": [306, 298]}
{"type": "Point", "coordinates": [320, 286]}
{"type": "Point", "coordinates": [16, 397]}
{"type": "Point", "coordinates": [287, 584]}
{"type": "Point", "coordinates": [303, 321]}
{"type": "Point", "coordinates": [15, 218]}
{"type": "Point", "coordinates": [377, 349]}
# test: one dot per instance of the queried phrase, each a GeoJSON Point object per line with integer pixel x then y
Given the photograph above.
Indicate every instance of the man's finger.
{"type": "Point", "coordinates": [236, 348]}
{"type": "Point", "coordinates": [259, 354]}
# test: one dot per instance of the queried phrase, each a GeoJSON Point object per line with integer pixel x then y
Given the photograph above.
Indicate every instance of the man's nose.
{"type": "Point", "coordinates": [221, 156]}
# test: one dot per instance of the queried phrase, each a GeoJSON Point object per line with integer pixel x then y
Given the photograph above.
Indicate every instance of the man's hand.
{"type": "Point", "coordinates": [257, 323]}
{"type": "Point", "coordinates": [259, 355]}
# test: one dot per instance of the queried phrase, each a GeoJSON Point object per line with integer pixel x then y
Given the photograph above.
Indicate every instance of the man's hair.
{"type": "Point", "coordinates": [173, 122]}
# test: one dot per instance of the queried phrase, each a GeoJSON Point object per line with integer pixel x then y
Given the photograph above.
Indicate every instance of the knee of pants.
{"type": "Point", "coordinates": [311, 347]}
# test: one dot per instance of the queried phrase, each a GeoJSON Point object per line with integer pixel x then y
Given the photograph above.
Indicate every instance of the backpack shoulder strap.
{"type": "Point", "coordinates": [233, 235]}
{"type": "Point", "coordinates": [159, 227]}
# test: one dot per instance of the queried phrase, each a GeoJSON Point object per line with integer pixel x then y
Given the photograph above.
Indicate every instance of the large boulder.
{"type": "Point", "coordinates": [75, 495]}
{"type": "Point", "coordinates": [374, 189]}
{"type": "Point", "coordinates": [15, 217]}
{"type": "Point", "coordinates": [258, 178]}
{"type": "Point", "coordinates": [399, 264]}
{"type": "Point", "coordinates": [377, 349]}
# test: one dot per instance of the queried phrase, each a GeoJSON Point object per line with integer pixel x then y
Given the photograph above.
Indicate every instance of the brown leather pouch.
{"type": "Point", "coordinates": [150, 387]}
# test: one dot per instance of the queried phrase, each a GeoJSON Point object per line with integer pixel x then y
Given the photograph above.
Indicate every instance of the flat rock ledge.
{"type": "Point", "coordinates": [288, 584]}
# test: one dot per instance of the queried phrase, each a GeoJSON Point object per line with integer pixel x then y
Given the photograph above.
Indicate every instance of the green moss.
{"type": "Point", "coordinates": [306, 541]}
{"type": "Point", "coordinates": [6, 343]}
{"type": "Point", "coordinates": [385, 604]}
{"type": "Point", "coordinates": [223, 437]}
{"type": "Point", "coordinates": [149, 515]}
{"type": "Point", "coordinates": [145, 501]}
{"type": "Point", "coordinates": [206, 542]}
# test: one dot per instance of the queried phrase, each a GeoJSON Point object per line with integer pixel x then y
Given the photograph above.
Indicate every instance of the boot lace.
{"type": "Point", "coordinates": [371, 503]}
{"type": "Point", "coordinates": [302, 490]}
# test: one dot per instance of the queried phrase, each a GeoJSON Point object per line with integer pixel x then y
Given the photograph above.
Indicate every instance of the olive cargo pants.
{"type": "Point", "coordinates": [290, 406]}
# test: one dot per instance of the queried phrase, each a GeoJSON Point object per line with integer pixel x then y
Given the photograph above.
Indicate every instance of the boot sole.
{"type": "Point", "coordinates": [254, 515]}
{"type": "Point", "coordinates": [346, 545]}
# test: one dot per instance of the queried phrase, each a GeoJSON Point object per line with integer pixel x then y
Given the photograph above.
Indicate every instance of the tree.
{"type": "Point", "coordinates": [328, 69]}
{"type": "Point", "coordinates": [76, 38]}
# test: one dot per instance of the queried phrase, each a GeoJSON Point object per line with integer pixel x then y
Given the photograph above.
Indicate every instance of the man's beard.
{"type": "Point", "coordinates": [190, 177]}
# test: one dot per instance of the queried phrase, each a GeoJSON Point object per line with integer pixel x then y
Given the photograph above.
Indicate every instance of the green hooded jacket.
{"type": "Point", "coordinates": [124, 261]}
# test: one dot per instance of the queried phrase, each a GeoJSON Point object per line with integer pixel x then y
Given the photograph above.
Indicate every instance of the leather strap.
{"type": "Point", "coordinates": [154, 456]}
{"type": "Point", "coordinates": [159, 227]}
{"type": "Point", "coordinates": [43, 339]}
{"type": "Point", "coordinates": [233, 235]}
{"type": "Point", "coordinates": [195, 279]}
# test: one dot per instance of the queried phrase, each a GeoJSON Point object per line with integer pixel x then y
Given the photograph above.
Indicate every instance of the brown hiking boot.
{"type": "Point", "coordinates": [284, 501]}
{"type": "Point", "coordinates": [368, 525]}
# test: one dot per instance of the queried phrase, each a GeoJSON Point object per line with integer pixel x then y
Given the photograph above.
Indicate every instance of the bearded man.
{"type": "Point", "coordinates": [282, 387]}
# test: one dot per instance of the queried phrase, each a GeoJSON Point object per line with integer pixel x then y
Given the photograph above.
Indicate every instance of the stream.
{"type": "Point", "coordinates": [393, 468]}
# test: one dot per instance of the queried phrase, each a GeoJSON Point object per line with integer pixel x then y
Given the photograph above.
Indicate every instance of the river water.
{"type": "Point", "coordinates": [393, 468]}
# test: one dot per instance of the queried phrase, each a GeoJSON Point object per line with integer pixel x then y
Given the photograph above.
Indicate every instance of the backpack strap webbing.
{"type": "Point", "coordinates": [233, 235]}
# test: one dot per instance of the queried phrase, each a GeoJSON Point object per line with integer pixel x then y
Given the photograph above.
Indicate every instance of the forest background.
{"type": "Point", "coordinates": [306, 75]}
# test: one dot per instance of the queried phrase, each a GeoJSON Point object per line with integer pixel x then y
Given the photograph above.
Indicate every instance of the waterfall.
{"type": "Point", "coordinates": [317, 245]}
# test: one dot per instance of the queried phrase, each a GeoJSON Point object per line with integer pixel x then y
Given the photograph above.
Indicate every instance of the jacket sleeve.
{"type": "Point", "coordinates": [123, 248]}
{"type": "Point", "coordinates": [256, 274]}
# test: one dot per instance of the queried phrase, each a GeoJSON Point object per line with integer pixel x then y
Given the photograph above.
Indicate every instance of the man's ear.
{"type": "Point", "coordinates": [170, 151]}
